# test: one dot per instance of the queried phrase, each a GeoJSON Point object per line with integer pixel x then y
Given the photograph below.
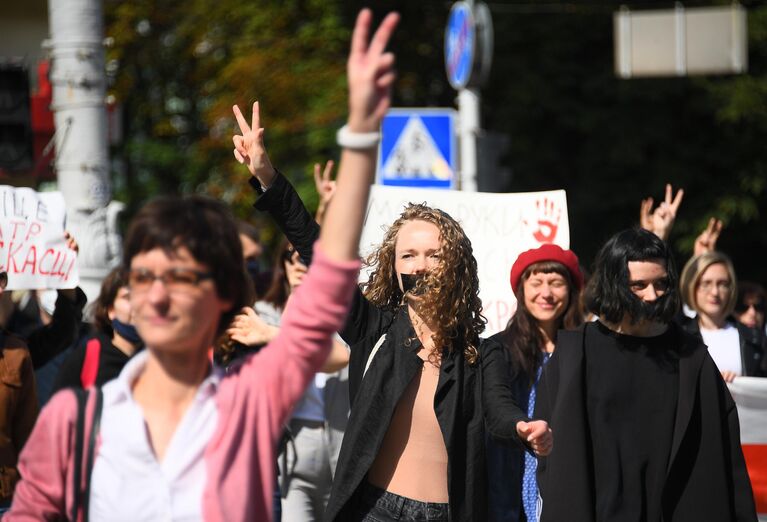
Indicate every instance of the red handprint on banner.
{"type": "Point", "coordinates": [547, 219]}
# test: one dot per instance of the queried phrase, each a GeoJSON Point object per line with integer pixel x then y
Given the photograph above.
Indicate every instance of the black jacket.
{"type": "Point", "coordinates": [706, 476]}
{"type": "Point", "coordinates": [464, 392]}
{"type": "Point", "coordinates": [506, 464]}
{"type": "Point", "coordinates": [751, 345]}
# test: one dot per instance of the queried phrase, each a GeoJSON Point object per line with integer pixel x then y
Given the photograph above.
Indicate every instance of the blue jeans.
{"type": "Point", "coordinates": [376, 505]}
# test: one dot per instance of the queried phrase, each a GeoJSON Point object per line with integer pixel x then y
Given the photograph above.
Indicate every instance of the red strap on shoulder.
{"type": "Point", "coordinates": [91, 363]}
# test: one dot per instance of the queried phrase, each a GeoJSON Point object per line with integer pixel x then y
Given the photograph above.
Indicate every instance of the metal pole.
{"type": "Point", "coordinates": [82, 163]}
{"type": "Point", "coordinates": [468, 116]}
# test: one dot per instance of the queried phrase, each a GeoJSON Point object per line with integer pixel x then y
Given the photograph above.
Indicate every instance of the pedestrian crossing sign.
{"type": "Point", "coordinates": [418, 148]}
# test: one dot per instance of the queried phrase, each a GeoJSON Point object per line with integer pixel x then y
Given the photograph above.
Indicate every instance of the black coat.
{"type": "Point", "coordinates": [506, 464]}
{"type": "Point", "coordinates": [464, 392]}
{"type": "Point", "coordinates": [706, 476]}
{"type": "Point", "coordinates": [751, 345]}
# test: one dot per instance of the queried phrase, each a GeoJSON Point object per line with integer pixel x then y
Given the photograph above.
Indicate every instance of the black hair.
{"type": "Point", "coordinates": [207, 229]}
{"type": "Point", "coordinates": [608, 294]}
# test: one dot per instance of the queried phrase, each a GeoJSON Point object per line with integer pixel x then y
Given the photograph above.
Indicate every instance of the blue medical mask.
{"type": "Point", "coordinates": [253, 269]}
{"type": "Point", "coordinates": [126, 331]}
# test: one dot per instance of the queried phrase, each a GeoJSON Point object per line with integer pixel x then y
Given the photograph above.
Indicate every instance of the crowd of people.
{"type": "Point", "coordinates": [209, 388]}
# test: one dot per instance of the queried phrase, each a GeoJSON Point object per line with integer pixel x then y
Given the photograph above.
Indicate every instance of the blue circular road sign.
{"type": "Point", "coordinates": [460, 45]}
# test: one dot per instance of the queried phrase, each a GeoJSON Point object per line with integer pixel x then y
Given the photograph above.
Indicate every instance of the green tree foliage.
{"type": "Point", "coordinates": [178, 67]}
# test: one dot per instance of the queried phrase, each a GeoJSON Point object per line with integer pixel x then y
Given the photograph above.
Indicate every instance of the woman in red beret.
{"type": "Point", "coordinates": [546, 282]}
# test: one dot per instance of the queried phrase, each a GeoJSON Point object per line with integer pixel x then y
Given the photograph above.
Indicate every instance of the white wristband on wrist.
{"type": "Point", "coordinates": [357, 140]}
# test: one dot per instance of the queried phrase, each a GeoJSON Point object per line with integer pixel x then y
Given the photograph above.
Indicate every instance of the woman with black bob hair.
{"type": "Point", "coordinates": [645, 427]}
{"type": "Point", "coordinates": [611, 294]}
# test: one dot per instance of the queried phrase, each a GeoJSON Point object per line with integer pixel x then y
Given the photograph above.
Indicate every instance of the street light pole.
{"type": "Point", "coordinates": [78, 79]}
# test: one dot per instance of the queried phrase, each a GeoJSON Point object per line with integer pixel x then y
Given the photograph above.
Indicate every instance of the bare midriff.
{"type": "Point", "coordinates": [412, 461]}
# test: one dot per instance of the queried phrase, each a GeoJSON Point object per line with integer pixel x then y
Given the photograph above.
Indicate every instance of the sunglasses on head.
{"type": "Point", "coordinates": [3, 279]}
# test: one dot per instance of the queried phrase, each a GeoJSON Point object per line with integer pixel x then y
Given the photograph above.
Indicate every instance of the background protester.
{"type": "Point", "coordinates": [750, 305]}
{"type": "Point", "coordinates": [18, 406]}
{"type": "Point", "coordinates": [309, 448]}
{"type": "Point", "coordinates": [102, 355]}
{"type": "Point", "coordinates": [50, 334]}
{"type": "Point", "coordinates": [253, 253]}
{"type": "Point", "coordinates": [708, 287]}
{"type": "Point", "coordinates": [547, 283]}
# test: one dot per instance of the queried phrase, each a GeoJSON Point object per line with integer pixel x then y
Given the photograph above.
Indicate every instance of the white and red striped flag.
{"type": "Point", "coordinates": [750, 394]}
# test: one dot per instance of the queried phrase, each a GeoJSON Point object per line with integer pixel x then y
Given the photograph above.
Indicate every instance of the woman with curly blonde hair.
{"type": "Point", "coordinates": [422, 394]}
{"type": "Point", "coordinates": [453, 297]}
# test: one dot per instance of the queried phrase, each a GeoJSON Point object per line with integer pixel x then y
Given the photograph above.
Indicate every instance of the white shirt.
{"type": "Point", "coordinates": [724, 348]}
{"type": "Point", "coordinates": [128, 482]}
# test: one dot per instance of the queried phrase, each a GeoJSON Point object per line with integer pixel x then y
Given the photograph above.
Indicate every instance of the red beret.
{"type": "Point", "coordinates": [546, 252]}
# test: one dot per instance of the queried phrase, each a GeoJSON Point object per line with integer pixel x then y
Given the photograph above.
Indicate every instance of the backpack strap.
{"type": "Point", "coordinates": [91, 364]}
{"type": "Point", "coordinates": [81, 396]}
{"type": "Point", "coordinates": [81, 495]}
{"type": "Point", "coordinates": [95, 428]}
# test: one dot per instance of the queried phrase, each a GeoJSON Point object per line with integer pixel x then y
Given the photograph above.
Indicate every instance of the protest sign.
{"type": "Point", "coordinates": [32, 246]}
{"type": "Point", "coordinates": [750, 394]}
{"type": "Point", "coordinates": [500, 227]}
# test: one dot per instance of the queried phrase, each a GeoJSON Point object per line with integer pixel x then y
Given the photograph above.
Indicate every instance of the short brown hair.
{"type": "Point", "coordinates": [207, 229]}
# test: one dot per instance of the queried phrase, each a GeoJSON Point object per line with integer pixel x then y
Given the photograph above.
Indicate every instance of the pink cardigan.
{"type": "Point", "coordinates": [254, 400]}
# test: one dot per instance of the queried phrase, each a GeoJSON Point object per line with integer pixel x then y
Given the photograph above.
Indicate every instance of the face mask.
{"type": "Point", "coordinates": [653, 311]}
{"type": "Point", "coordinates": [253, 269]}
{"type": "Point", "coordinates": [126, 331]}
{"type": "Point", "coordinates": [409, 282]}
{"type": "Point", "coordinates": [48, 301]}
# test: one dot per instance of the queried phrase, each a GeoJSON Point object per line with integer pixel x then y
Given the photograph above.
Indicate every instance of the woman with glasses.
{"type": "Point", "coordinates": [708, 285]}
{"type": "Point", "coordinates": [177, 439]}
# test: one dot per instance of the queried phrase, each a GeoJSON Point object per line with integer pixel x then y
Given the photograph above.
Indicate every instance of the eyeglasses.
{"type": "Point", "coordinates": [3, 279]}
{"type": "Point", "coordinates": [175, 279]}
{"type": "Point", "coordinates": [722, 286]}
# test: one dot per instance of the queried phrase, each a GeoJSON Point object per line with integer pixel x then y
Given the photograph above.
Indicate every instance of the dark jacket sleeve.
{"type": "Point", "coordinates": [282, 203]}
{"type": "Point", "coordinates": [501, 411]}
{"type": "Point", "coordinates": [48, 341]}
{"type": "Point", "coordinates": [71, 368]}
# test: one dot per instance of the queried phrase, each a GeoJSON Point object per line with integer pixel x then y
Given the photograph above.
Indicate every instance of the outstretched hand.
{"type": "Point", "coordinates": [249, 146]}
{"type": "Point", "coordinates": [661, 220]}
{"type": "Point", "coordinates": [249, 329]}
{"type": "Point", "coordinates": [706, 241]}
{"type": "Point", "coordinates": [370, 72]}
{"type": "Point", "coordinates": [537, 435]}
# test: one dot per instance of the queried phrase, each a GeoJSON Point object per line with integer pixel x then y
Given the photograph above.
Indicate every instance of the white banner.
{"type": "Point", "coordinates": [750, 394]}
{"type": "Point", "coordinates": [32, 246]}
{"type": "Point", "coordinates": [500, 227]}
